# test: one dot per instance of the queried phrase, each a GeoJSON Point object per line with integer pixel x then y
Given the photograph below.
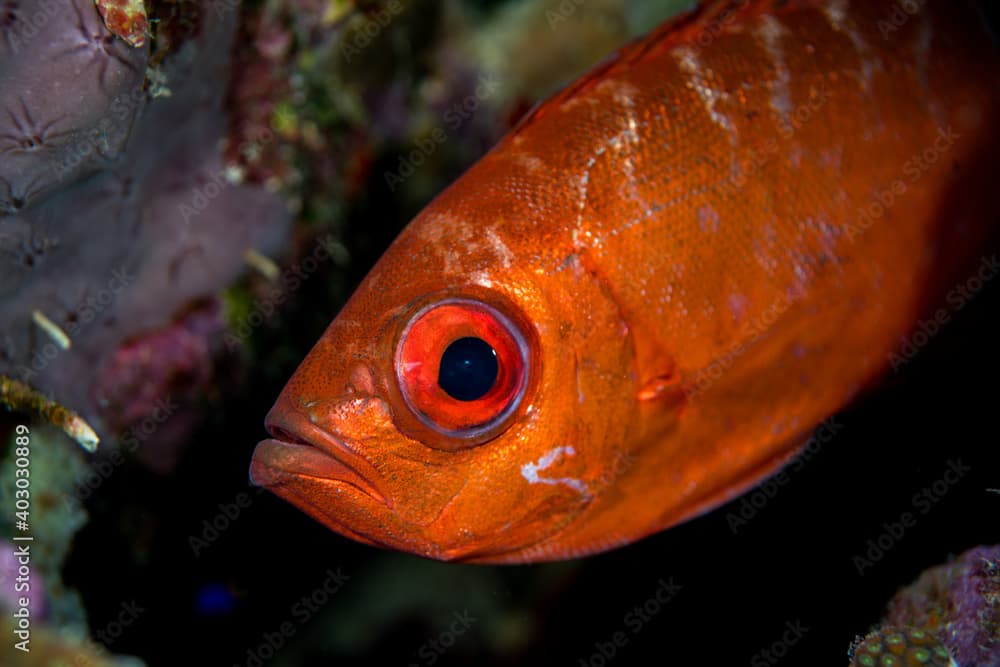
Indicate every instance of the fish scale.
{"type": "Point", "coordinates": [709, 244]}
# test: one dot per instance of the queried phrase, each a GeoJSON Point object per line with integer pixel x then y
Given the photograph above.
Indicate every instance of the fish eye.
{"type": "Point", "coordinates": [462, 368]}
{"type": "Point", "coordinates": [469, 369]}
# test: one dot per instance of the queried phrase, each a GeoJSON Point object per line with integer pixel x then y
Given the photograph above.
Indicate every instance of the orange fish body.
{"type": "Point", "coordinates": [662, 281]}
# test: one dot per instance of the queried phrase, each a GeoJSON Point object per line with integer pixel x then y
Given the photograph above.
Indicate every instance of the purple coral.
{"type": "Point", "coordinates": [960, 603]}
{"type": "Point", "coordinates": [122, 246]}
{"type": "Point", "coordinates": [69, 92]}
{"type": "Point", "coordinates": [150, 387]}
{"type": "Point", "coordinates": [12, 580]}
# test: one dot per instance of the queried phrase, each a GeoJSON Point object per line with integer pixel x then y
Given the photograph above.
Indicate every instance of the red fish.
{"type": "Point", "coordinates": [645, 298]}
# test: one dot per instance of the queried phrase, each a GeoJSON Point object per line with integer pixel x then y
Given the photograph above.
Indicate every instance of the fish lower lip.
{"type": "Point", "coordinates": [275, 461]}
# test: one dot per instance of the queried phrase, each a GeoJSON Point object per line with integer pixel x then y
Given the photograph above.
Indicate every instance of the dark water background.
{"type": "Point", "coordinates": [792, 565]}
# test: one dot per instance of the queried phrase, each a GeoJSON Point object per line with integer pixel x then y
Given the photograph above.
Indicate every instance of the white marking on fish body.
{"type": "Point", "coordinates": [630, 132]}
{"type": "Point", "coordinates": [444, 233]}
{"type": "Point", "coordinates": [770, 32]}
{"type": "Point", "coordinates": [836, 13]}
{"type": "Point", "coordinates": [687, 61]}
{"type": "Point", "coordinates": [584, 182]}
{"type": "Point", "coordinates": [532, 163]}
{"type": "Point", "coordinates": [503, 253]}
{"type": "Point", "coordinates": [530, 470]}
{"type": "Point", "coordinates": [617, 88]}
{"type": "Point", "coordinates": [625, 142]}
{"type": "Point", "coordinates": [481, 278]}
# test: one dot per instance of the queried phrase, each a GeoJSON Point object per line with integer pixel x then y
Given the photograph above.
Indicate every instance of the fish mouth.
{"type": "Point", "coordinates": [300, 448]}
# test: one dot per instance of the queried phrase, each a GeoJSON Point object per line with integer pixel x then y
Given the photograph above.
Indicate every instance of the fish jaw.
{"type": "Point", "coordinates": [319, 485]}
{"type": "Point", "coordinates": [318, 472]}
{"type": "Point", "coordinates": [313, 481]}
{"type": "Point", "coordinates": [331, 490]}
{"type": "Point", "coordinates": [338, 497]}
{"type": "Point", "coordinates": [321, 476]}
{"type": "Point", "coordinates": [274, 461]}
{"type": "Point", "coordinates": [300, 447]}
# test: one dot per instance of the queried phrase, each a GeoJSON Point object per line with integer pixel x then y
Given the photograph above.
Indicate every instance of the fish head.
{"type": "Point", "coordinates": [463, 405]}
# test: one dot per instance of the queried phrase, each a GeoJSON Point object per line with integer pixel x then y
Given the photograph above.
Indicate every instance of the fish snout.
{"type": "Point", "coordinates": [301, 445]}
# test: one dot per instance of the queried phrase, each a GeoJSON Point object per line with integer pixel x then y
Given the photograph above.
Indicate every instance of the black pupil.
{"type": "Point", "coordinates": [468, 369]}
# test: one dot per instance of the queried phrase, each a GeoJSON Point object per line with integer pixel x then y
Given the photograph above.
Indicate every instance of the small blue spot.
{"type": "Point", "coordinates": [214, 600]}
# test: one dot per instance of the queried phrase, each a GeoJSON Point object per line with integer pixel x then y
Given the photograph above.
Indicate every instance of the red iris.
{"type": "Point", "coordinates": [420, 369]}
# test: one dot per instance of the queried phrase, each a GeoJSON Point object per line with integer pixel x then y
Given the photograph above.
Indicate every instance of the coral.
{"type": "Point", "coordinates": [900, 647]}
{"type": "Point", "coordinates": [153, 383]}
{"type": "Point", "coordinates": [125, 18]}
{"type": "Point", "coordinates": [951, 609]}
{"type": "Point", "coordinates": [120, 246]}
{"type": "Point", "coordinates": [54, 519]}
{"type": "Point", "coordinates": [154, 364]}
{"type": "Point", "coordinates": [20, 397]}
{"type": "Point", "coordinates": [69, 94]}
{"type": "Point", "coordinates": [261, 80]}
{"type": "Point", "coordinates": [50, 647]}
{"type": "Point", "coordinates": [340, 87]}
{"type": "Point", "coordinates": [959, 602]}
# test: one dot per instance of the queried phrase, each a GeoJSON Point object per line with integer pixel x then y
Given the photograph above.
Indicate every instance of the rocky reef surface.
{"type": "Point", "coordinates": [950, 613]}
{"type": "Point", "coordinates": [119, 217]}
